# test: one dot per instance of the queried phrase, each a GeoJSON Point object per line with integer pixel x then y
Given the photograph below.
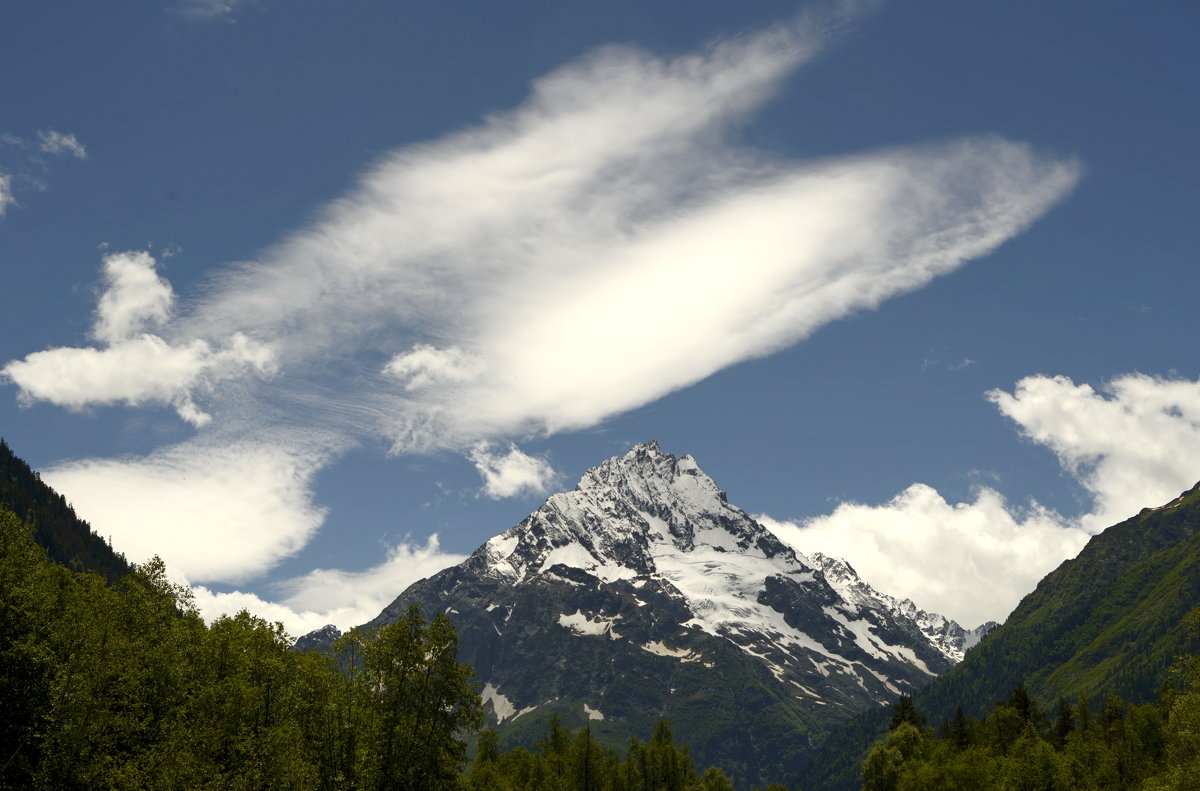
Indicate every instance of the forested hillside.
{"type": "Point", "coordinates": [1077, 745]}
{"type": "Point", "coordinates": [1109, 621]}
{"type": "Point", "coordinates": [67, 538]}
{"type": "Point", "coordinates": [125, 687]}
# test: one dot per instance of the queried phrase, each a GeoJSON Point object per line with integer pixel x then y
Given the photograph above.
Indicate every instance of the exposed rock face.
{"type": "Point", "coordinates": [644, 594]}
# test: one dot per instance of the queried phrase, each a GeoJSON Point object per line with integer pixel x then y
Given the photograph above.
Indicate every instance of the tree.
{"type": "Point", "coordinates": [1064, 723]}
{"type": "Point", "coordinates": [715, 780]}
{"type": "Point", "coordinates": [905, 711]}
{"type": "Point", "coordinates": [886, 761]}
{"type": "Point", "coordinates": [418, 703]}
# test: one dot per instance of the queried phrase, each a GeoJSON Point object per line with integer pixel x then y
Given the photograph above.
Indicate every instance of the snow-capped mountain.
{"type": "Point", "coordinates": [644, 594]}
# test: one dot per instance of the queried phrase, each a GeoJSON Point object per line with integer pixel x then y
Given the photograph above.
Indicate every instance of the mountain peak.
{"type": "Point", "coordinates": [623, 514]}
{"type": "Point", "coordinates": [646, 473]}
{"type": "Point", "coordinates": [644, 570]}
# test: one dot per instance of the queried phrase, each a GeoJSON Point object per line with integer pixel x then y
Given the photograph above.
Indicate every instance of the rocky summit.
{"type": "Point", "coordinates": [644, 594]}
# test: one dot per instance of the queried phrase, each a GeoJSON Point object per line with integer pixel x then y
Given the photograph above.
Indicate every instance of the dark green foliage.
{"type": "Point", "coordinates": [905, 712]}
{"type": "Point", "coordinates": [125, 687]}
{"type": "Point", "coordinates": [417, 703]}
{"type": "Point", "coordinates": [1125, 747]}
{"type": "Point", "coordinates": [566, 761]}
{"type": "Point", "coordinates": [67, 538]}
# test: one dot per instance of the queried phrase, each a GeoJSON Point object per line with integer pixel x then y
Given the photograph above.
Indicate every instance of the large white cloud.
{"type": "Point", "coordinates": [1134, 443]}
{"type": "Point", "coordinates": [601, 245]}
{"type": "Point", "coordinates": [969, 561]}
{"type": "Point", "coordinates": [213, 511]}
{"type": "Point", "coordinates": [604, 244]}
{"type": "Point", "coordinates": [134, 366]}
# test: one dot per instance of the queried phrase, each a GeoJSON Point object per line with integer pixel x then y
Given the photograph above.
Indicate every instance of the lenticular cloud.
{"type": "Point", "coordinates": [604, 243]}
{"type": "Point", "coordinates": [599, 246]}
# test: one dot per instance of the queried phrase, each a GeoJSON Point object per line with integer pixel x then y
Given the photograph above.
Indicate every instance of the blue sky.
{"type": "Point", "coordinates": [293, 287]}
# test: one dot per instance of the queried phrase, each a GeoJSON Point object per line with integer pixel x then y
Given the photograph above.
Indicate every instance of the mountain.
{"type": "Point", "coordinates": [66, 538]}
{"type": "Point", "coordinates": [644, 594]}
{"type": "Point", "coordinates": [1109, 620]}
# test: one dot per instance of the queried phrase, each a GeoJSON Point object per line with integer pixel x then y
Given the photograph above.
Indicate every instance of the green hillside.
{"type": "Point", "coordinates": [1107, 621]}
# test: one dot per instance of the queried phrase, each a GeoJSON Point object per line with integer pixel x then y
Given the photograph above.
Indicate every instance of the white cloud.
{"type": "Point", "coordinates": [212, 511]}
{"type": "Point", "coordinates": [1133, 444]}
{"type": "Point", "coordinates": [58, 143]}
{"type": "Point", "coordinates": [586, 253]}
{"type": "Point", "coordinates": [29, 168]}
{"type": "Point", "coordinates": [969, 561]}
{"type": "Point", "coordinates": [136, 298]}
{"type": "Point", "coordinates": [603, 245]}
{"type": "Point", "coordinates": [6, 194]}
{"type": "Point", "coordinates": [135, 367]}
{"type": "Point", "coordinates": [595, 248]}
{"type": "Point", "coordinates": [512, 473]}
{"type": "Point", "coordinates": [343, 598]}
{"type": "Point", "coordinates": [424, 366]}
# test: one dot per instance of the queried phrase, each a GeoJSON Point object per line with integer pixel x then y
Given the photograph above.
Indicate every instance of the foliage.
{"type": "Point", "coordinates": [566, 761]}
{"type": "Point", "coordinates": [1121, 746]}
{"type": "Point", "coordinates": [125, 687]}
{"type": "Point", "coordinates": [67, 538]}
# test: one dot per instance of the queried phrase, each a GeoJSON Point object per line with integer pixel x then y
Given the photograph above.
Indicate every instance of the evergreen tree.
{"type": "Point", "coordinates": [905, 712]}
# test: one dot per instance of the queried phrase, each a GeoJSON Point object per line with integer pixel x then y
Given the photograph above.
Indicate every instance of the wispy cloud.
{"type": "Point", "coordinates": [6, 193]}
{"type": "Point", "coordinates": [603, 244]}
{"type": "Point", "coordinates": [52, 141]}
{"type": "Point", "coordinates": [24, 164]}
{"type": "Point", "coordinates": [206, 10]}
{"type": "Point", "coordinates": [1132, 444]}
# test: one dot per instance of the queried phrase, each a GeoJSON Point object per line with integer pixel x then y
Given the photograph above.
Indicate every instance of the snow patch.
{"type": "Point", "coordinates": [580, 624]}
{"type": "Point", "coordinates": [501, 705]}
{"type": "Point", "coordinates": [592, 714]}
{"type": "Point", "coordinates": [682, 654]}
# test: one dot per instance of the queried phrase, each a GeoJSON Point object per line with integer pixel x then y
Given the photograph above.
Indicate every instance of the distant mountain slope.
{"type": "Point", "coordinates": [67, 538]}
{"type": "Point", "coordinates": [1107, 621]}
{"type": "Point", "coordinates": [644, 594]}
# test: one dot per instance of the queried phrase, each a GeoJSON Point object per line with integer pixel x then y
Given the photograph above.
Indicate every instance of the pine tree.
{"type": "Point", "coordinates": [905, 712]}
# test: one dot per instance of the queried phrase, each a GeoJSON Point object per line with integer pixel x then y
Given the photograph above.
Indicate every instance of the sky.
{"type": "Point", "coordinates": [310, 299]}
